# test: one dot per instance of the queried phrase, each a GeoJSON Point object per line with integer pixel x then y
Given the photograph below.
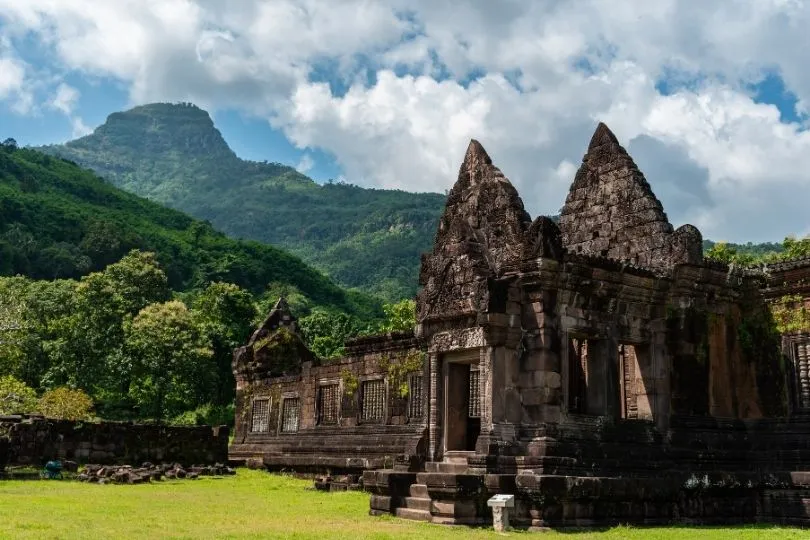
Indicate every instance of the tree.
{"type": "Point", "coordinates": [10, 144]}
{"type": "Point", "coordinates": [224, 313]}
{"type": "Point", "coordinates": [86, 350]}
{"type": "Point", "coordinates": [399, 317]}
{"type": "Point", "coordinates": [62, 260]}
{"type": "Point", "coordinates": [16, 396]}
{"type": "Point", "coordinates": [105, 242]}
{"type": "Point", "coordinates": [795, 249]}
{"type": "Point", "coordinates": [65, 403]}
{"type": "Point", "coordinates": [173, 369]}
{"type": "Point", "coordinates": [723, 252]}
{"type": "Point", "coordinates": [12, 323]}
{"type": "Point", "coordinates": [326, 332]}
{"type": "Point", "coordinates": [137, 280]}
{"type": "Point", "coordinates": [29, 318]}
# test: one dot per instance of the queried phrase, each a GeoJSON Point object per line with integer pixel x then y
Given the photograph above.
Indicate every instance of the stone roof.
{"type": "Point", "coordinates": [782, 266]}
{"type": "Point", "coordinates": [279, 316]}
{"type": "Point", "coordinates": [611, 210]}
{"type": "Point", "coordinates": [484, 213]}
{"type": "Point", "coordinates": [481, 235]}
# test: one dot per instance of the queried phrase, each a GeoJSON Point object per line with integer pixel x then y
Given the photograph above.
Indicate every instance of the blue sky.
{"type": "Point", "coordinates": [250, 137]}
{"type": "Point", "coordinates": [708, 97]}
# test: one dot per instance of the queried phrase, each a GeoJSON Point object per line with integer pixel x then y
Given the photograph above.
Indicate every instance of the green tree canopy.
{"type": "Point", "coordinates": [224, 313]}
{"type": "Point", "coordinates": [173, 368]}
{"type": "Point", "coordinates": [399, 317]}
{"type": "Point", "coordinates": [16, 396]}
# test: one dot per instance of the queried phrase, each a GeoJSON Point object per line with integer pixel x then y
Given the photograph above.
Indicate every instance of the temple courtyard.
{"type": "Point", "coordinates": [254, 504]}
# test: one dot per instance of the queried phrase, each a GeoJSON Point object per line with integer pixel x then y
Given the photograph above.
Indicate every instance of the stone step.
{"type": "Point", "coordinates": [410, 513]}
{"type": "Point", "coordinates": [419, 490]}
{"type": "Point", "coordinates": [418, 503]}
{"type": "Point", "coordinates": [457, 456]}
{"type": "Point", "coordinates": [442, 467]}
{"type": "Point", "coordinates": [448, 479]}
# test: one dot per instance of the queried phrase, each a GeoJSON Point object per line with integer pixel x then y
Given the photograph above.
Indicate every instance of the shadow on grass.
{"type": "Point", "coordinates": [674, 525]}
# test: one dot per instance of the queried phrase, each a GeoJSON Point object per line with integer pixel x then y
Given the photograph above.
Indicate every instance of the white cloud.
{"type": "Point", "coordinates": [11, 77]}
{"type": "Point", "coordinates": [79, 128]}
{"type": "Point", "coordinates": [714, 156]}
{"type": "Point", "coordinates": [65, 99]}
{"type": "Point", "coordinates": [306, 164]}
{"type": "Point", "coordinates": [13, 83]}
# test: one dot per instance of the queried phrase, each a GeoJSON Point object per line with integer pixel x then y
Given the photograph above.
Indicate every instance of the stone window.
{"type": "Point", "coordinates": [289, 415]}
{"type": "Point", "coordinates": [415, 396]}
{"type": "Point", "coordinates": [260, 421]}
{"type": "Point", "coordinates": [372, 396]}
{"type": "Point", "coordinates": [328, 404]}
{"type": "Point", "coordinates": [803, 372]}
{"type": "Point", "coordinates": [577, 375]}
{"type": "Point", "coordinates": [474, 410]}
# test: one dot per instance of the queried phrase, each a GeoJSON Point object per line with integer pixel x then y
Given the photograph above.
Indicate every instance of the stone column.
{"type": "Point", "coordinates": [434, 378]}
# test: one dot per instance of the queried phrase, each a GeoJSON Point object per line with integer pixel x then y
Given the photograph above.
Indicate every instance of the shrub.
{"type": "Point", "coordinates": [16, 397]}
{"type": "Point", "coordinates": [66, 404]}
{"type": "Point", "coordinates": [206, 415]}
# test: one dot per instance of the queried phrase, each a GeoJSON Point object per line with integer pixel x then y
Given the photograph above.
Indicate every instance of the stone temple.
{"type": "Point", "coordinates": [598, 369]}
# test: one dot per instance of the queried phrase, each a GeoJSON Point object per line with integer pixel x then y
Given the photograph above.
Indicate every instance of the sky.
{"type": "Point", "coordinates": [710, 97]}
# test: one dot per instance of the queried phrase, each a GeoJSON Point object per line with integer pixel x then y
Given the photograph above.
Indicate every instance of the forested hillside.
{"type": "Point", "coordinates": [173, 154]}
{"type": "Point", "coordinates": [114, 301]}
{"type": "Point", "coordinates": [58, 220]}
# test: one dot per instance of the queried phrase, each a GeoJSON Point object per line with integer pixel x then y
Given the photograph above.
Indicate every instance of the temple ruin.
{"type": "Point", "coordinates": [599, 369]}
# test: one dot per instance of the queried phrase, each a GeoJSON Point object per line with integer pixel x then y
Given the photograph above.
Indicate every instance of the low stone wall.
{"type": "Point", "coordinates": [35, 440]}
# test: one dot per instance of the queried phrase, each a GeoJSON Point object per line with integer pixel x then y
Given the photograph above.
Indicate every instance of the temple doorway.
{"type": "Point", "coordinates": [462, 418]}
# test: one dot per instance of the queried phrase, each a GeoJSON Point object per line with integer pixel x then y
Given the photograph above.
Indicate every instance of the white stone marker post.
{"type": "Point", "coordinates": [500, 505]}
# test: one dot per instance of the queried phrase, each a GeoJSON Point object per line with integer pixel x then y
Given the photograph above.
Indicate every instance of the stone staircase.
{"type": "Point", "coordinates": [417, 505]}
{"type": "Point", "coordinates": [455, 462]}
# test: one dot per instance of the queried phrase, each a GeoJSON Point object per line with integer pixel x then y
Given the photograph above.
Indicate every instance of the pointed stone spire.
{"type": "Point", "coordinates": [602, 136]}
{"type": "Point", "coordinates": [475, 152]}
{"type": "Point", "coordinates": [282, 306]}
{"type": "Point", "coordinates": [474, 167]}
{"type": "Point", "coordinates": [480, 235]}
{"type": "Point", "coordinates": [482, 201]}
{"type": "Point", "coordinates": [271, 350]}
{"type": "Point", "coordinates": [611, 211]}
{"type": "Point", "coordinates": [279, 316]}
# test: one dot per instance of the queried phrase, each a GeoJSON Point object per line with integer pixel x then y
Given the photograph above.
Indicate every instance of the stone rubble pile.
{"type": "Point", "coordinates": [127, 474]}
{"type": "Point", "coordinates": [348, 482]}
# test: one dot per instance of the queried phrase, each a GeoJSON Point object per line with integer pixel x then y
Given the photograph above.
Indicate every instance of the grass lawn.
{"type": "Point", "coordinates": [253, 504]}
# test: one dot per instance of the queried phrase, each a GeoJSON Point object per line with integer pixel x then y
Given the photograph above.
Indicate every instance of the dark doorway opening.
{"type": "Point", "coordinates": [463, 406]}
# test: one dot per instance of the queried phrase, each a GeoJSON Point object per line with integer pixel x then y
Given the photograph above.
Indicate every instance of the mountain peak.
{"type": "Point", "coordinates": [160, 128]}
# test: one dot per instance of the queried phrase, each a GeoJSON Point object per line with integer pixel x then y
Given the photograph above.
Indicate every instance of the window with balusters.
{"type": "Point", "coordinates": [475, 392]}
{"type": "Point", "coordinates": [372, 396]}
{"type": "Point", "coordinates": [415, 396]}
{"type": "Point", "coordinates": [260, 420]}
{"type": "Point", "coordinates": [328, 404]}
{"type": "Point", "coordinates": [802, 355]}
{"type": "Point", "coordinates": [289, 415]}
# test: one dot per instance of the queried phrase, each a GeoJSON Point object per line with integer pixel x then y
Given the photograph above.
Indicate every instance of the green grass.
{"type": "Point", "coordinates": [253, 505]}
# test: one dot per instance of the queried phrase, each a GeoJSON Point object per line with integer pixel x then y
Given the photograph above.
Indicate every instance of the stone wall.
{"type": "Point", "coordinates": [35, 440]}
{"type": "Point", "coordinates": [329, 409]}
